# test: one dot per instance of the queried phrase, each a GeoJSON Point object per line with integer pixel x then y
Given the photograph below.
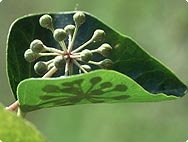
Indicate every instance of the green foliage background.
{"type": "Point", "coordinates": [160, 27]}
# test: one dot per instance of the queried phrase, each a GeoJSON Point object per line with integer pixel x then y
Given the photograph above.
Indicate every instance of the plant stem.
{"type": "Point", "coordinates": [62, 44]}
{"type": "Point", "coordinates": [74, 56]}
{"type": "Point", "coordinates": [76, 63]}
{"type": "Point", "coordinates": [50, 72]}
{"type": "Point", "coordinates": [70, 39]}
{"type": "Point", "coordinates": [82, 46]}
{"type": "Point", "coordinates": [94, 63]}
{"type": "Point", "coordinates": [73, 39]}
{"type": "Point", "coordinates": [51, 49]}
{"type": "Point", "coordinates": [67, 67]}
{"type": "Point", "coordinates": [49, 54]}
{"type": "Point", "coordinates": [13, 106]}
{"type": "Point", "coordinates": [94, 50]}
{"type": "Point", "coordinates": [71, 68]}
{"type": "Point", "coordinates": [20, 113]}
{"type": "Point", "coordinates": [49, 62]}
{"type": "Point", "coordinates": [51, 29]}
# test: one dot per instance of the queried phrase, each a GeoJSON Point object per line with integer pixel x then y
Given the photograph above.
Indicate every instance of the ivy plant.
{"type": "Point", "coordinates": [70, 58]}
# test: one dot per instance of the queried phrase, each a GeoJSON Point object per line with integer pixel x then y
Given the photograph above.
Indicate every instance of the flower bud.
{"type": "Point", "coordinates": [98, 35]}
{"type": "Point", "coordinates": [59, 62]}
{"type": "Point", "coordinates": [106, 64]}
{"type": "Point", "coordinates": [40, 68]}
{"type": "Point", "coordinates": [86, 55]}
{"type": "Point", "coordinates": [36, 46]}
{"type": "Point", "coordinates": [86, 67]}
{"type": "Point", "coordinates": [59, 35]}
{"type": "Point", "coordinates": [105, 49]}
{"type": "Point", "coordinates": [45, 21]}
{"type": "Point", "coordinates": [30, 56]}
{"type": "Point", "coordinates": [69, 29]}
{"type": "Point", "coordinates": [79, 18]}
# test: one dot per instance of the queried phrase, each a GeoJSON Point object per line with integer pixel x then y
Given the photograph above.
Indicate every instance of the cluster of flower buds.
{"type": "Point", "coordinates": [67, 57]}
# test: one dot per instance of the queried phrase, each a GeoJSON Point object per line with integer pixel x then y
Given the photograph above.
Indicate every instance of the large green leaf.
{"type": "Point", "coordinates": [128, 57]}
{"type": "Point", "coordinates": [16, 129]}
{"type": "Point", "coordinates": [95, 87]}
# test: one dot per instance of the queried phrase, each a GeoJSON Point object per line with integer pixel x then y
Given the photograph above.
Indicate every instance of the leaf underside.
{"type": "Point", "coordinates": [95, 87]}
{"type": "Point", "coordinates": [145, 72]}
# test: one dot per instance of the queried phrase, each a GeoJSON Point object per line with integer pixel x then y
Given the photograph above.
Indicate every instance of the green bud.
{"type": "Point", "coordinates": [59, 35]}
{"type": "Point", "coordinates": [86, 55]}
{"type": "Point", "coordinates": [69, 29]}
{"type": "Point", "coordinates": [105, 49]}
{"type": "Point", "coordinates": [106, 64]}
{"type": "Point", "coordinates": [45, 21]}
{"type": "Point", "coordinates": [36, 46]}
{"type": "Point", "coordinates": [86, 67]}
{"type": "Point", "coordinates": [59, 62]}
{"type": "Point", "coordinates": [79, 18]}
{"type": "Point", "coordinates": [40, 68]}
{"type": "Point", "coordinates": [30, 56]}
{"type": "Point", "coordinates": [98, 35]}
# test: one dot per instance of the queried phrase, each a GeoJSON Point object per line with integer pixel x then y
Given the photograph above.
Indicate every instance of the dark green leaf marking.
{"type": "Point", "coordinates": [94, 87]}
{"type": "Point", "coordinates": [75, 88]}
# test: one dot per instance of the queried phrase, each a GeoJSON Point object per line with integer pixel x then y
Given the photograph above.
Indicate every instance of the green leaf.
{"type": "Point", "coordinates": [129, 58]}
{"type": "Point", "coordinates": [16, 129]}
{"type": "Point", "coordinates": [95, 87]}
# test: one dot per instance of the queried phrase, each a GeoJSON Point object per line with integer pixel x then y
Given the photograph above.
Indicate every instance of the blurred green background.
{"type": "Point", "coordinates": [161, 27]}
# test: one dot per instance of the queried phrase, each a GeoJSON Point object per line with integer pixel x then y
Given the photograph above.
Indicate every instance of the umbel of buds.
{"type": "Point", "coordinates": [67, 58]}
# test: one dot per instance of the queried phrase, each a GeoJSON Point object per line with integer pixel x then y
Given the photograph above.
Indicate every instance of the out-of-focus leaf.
{"type": "Point", "coordinates": [16, 129]}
